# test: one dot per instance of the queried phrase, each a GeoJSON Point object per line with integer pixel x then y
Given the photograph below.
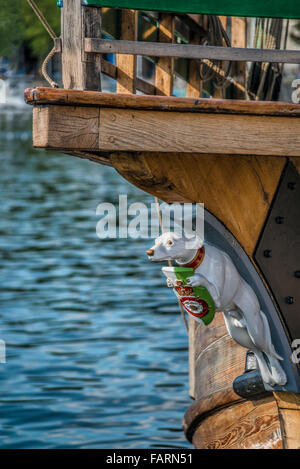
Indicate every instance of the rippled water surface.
{"type": "Point", "coordinates": [96, 348]}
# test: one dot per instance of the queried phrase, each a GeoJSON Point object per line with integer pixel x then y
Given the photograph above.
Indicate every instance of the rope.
{"type": "Point", "coordinates": [52, 34]}
{"type": "Point", "coordinates": [169, 262]}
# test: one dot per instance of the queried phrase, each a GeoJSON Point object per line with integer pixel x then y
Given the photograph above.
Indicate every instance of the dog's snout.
{"type": "Point", "coordinates": [150, 252]}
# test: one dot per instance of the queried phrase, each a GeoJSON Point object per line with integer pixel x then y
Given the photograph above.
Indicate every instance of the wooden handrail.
{"type": "Point", "coordinates": [188, 51]}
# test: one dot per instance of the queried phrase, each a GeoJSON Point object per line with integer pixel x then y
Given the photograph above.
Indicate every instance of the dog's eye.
{"type": "Point", "coordinates": [169, 243]}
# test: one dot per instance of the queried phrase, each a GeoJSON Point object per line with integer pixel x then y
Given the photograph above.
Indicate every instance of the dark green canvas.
{"type": "Point", "coordinates": [264, 8]}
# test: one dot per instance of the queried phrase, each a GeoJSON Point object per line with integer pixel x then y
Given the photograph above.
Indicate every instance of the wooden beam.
{"type": "Point", "coordinates": [126, 64]}
{"type": "Point", "coordinates": [189, 51]}
{"type": "Point", "coordinates": [238, 39]}
{"type": "Point", "coordinates": [159, 131]}
{"type": "Point", "coordinates": [194, 84]}
{"type": "Point", "coordinates": [80, 70]}
{"type": "Point", "coordinates": [160, 103]}
{"type": "Point", "coordinates": [164, 70]}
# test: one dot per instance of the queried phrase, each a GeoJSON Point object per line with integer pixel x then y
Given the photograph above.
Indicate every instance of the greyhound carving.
{"type": "Point", "coordinates": [233, 296]}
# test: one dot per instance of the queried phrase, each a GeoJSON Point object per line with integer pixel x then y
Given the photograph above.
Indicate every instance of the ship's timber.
{"type": "Point", "coordinates": [230, 155]}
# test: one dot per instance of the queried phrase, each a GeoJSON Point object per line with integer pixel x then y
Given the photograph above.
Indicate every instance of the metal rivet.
{"type": "Point", "coordinates": [279, 220]}
{"type": "Point", "coordinates": [267, 252]}
{"type": "Point", "coordinates": [289, 300]}
{"type": "Point", "coordinates": [297, 273]}
{"type": "Point", "coordinates": [291, 185]}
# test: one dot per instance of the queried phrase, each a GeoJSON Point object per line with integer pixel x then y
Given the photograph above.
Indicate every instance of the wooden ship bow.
{"type": "Point", "coordinates": [234, 151]}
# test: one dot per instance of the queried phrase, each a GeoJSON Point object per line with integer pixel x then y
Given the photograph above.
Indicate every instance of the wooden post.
{"type": "Point", "coordinates": [126, 64]}
{"type": "Point", "coordinates": [80, 70]}
{"type": "Point", "coordinates": [194, 84]}
{"type": "Point", "coordinates": [238, 39]}
{"type": "Point", "coordinates": [165, 65]}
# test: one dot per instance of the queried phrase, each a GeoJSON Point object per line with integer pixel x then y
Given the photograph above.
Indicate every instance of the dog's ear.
{"type": "Point", "coordinates": [195, 242]}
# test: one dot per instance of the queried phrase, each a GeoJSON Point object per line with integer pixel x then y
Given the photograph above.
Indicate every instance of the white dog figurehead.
{"type": "Point", "coordinates": [174, 246]}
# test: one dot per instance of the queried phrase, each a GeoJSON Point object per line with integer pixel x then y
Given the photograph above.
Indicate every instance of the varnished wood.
{"type": "Point", "coordinates": [218, 359]}
{"type": "Point", "coordinates": [189, 51]}
{"type": "Point", "coordinates": [126, 64]}
{"type": "Point", "coordinates": [247, 185]}
{"type": "Point", "coordinates": [194, 84]}
{"type": "Point", "coordinates": [238, 39]}
{"type": "Point", "coordinates": [164, 69]}
{"type": "Point", "coordinates": [289, 414]}
{"type": "Point", "coordinates": [160, 103]}
{"type": "Point", "coordinates": [219, 418]}
{"type": "Point", "coordinates": [245, 425]}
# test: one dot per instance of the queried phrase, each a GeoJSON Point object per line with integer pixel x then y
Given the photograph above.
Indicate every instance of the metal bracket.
{"type": "Point", "coordinates": [278, 250]}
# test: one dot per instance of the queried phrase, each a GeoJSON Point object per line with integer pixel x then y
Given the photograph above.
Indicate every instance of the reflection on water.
{"type": "Point", "coordinates": [96, 348]}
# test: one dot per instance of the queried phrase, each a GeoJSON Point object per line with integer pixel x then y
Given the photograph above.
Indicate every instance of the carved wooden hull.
{"type": "Point", "coordinates": [232, 156]}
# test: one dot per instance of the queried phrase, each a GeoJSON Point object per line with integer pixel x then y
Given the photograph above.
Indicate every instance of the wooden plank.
{"type": "Point", "coordinates": [79, 70]}
{"type": "Point", "coordinates": [238, 39]}
{"type": "Point", "coordinates": [206, 406]}
{"type": "Point", "coordinates": [59, 127]}
{"type": "Point", "coordinates": [164, 69]}
{"type": "Point", "coordinates": [91, 27]}
{"type": "Point", "coordinates": [218, 359]}
{"type": "Point", "coordinates": [194, 84]}
{"type": "Point", "coordinates": [246, 425]}
{"type": "Point", "coordinates": [126, 64]}
{"type": "Point", "coordinates": [155, 131]}
{"type": "Point", "coordinates": [189, 51]}
{"type": "Point", "coordinates": [289, 413]}
{"type": "Point", "coordinates": [160, 103]}
{"type": "Point", "coordinates": [247, 185]}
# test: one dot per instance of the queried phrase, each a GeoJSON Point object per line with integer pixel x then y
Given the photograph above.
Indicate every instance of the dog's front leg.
{"type": "Point", "coordinates": [198, 280]}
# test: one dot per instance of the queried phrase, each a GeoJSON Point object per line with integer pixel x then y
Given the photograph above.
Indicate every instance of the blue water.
{"type": "Point", "coordinates": [96, 348]}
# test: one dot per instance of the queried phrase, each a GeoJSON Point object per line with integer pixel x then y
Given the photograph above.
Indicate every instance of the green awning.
{"type": "Point", "coordinates": [255, 8]}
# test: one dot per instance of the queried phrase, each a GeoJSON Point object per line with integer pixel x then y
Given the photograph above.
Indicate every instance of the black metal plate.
{"type": "Point", "coordinates": [278, 250]}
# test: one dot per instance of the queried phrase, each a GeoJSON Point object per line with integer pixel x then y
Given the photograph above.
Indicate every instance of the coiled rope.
{"type": "Point", "coordinates": [52, 34]}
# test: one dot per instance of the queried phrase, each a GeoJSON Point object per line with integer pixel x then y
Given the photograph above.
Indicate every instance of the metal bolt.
{"type": "Point", "coordinates": [289, 300]}
{"type": "Point", "coordinates": [267, 252]}
{"type": "Point", "coordinates": [279, 220]}
{"type": "Point", "coordinates": [297, 273]}
{"type": "Point", "coordinates": [291, 185]}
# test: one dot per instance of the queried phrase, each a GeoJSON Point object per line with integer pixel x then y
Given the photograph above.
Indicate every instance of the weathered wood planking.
{"type": "Point", "coordinates": [130, 130]}
{"type": "Point", "coordinates": [126, 64]}
{"type": "Point", "coordinates": [164, 70]}
{"type": "Point", "coordinates": [194, 84]}
{"type": "Point", "coordinates": [159, 103]}
{"type": "Point", "coordinates": [246, 425]}
{"type": "Point", "coordinates": [189, 51]}
{"type": "Point", "coordinates": [153, 131]}
{"type": "Point", "coordinates": [59, 127]}
{"type": "Point", "coordinates": [79, 69]}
